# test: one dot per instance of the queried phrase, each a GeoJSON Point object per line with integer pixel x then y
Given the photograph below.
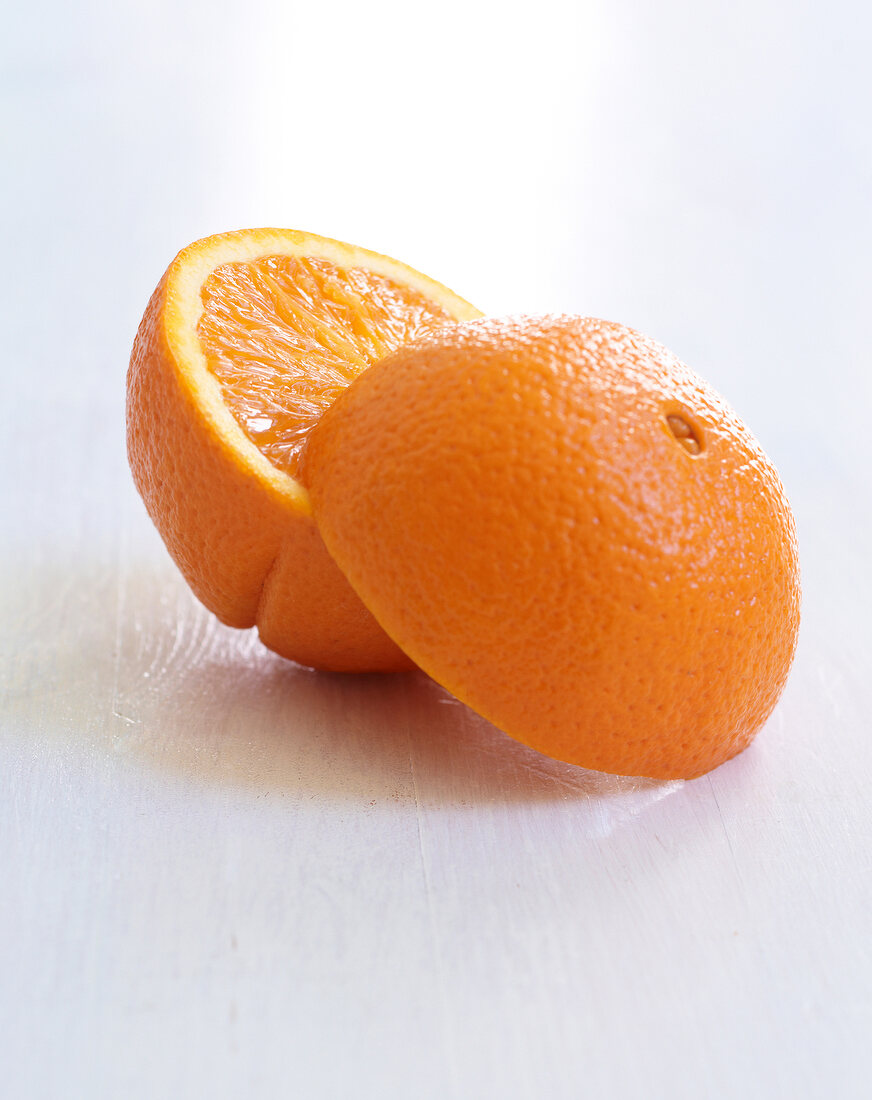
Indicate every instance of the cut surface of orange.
{"type": "Point", "coordinates": [248, 337]}
{"type": "Point", "coordinates": [284, 335]}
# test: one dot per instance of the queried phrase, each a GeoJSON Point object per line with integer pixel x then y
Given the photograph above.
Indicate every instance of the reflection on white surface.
{"type": "Point", "coordinates": [211, 706]}
{"type": "Point", "coordinates": [619, 805]}
{"type": "Point", "coordinates": [216, 707]}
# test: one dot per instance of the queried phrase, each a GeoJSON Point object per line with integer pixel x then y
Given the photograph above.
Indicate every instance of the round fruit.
{"type": "Point", "coordinates": [568, 529]}
{"type": "Point", "coordinates": [248, 337]}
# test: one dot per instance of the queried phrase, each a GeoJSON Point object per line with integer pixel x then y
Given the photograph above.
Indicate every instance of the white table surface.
{"type": "Point", "coordinates": [222, 875]}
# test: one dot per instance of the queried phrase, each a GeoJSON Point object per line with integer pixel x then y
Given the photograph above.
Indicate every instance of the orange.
{"type": "Point", "coordinates": [573, 533]}
{"type": "Point", "coordinates": [247, 338]}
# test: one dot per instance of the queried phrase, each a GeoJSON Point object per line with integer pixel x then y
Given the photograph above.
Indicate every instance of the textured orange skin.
{"type": "Point", "coordinates": [510, 502]}
{"type": "Point", "coordinates": [249, 555]}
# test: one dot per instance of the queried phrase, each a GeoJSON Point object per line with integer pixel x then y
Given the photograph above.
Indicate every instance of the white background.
{"type": "Point", "coordinates": [225, 876]}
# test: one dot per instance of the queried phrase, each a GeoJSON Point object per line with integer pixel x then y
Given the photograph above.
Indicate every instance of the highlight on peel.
{"type": "Point", "coordinates": [247, 339]}
{"type": "Point", "coordinates": [573, 533]}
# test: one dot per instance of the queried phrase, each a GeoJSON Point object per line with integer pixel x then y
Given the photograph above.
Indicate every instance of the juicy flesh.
{"type": "Point", "coordinates": [285, 335]}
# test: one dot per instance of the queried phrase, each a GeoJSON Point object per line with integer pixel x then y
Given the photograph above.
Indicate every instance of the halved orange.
{"type": "Point", "coordinates": [573, 533]}
{"type": "Point", "coordinates": [247, 339]}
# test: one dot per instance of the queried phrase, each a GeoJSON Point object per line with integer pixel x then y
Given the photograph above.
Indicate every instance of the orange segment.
{"type": "Point", "coordinates": [284, 335]}
{"type": "Point", "coordinates": [245, 327]}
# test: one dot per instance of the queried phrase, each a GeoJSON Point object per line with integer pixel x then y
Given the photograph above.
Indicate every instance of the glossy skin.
{"type": "Point", "coordinates": [572, 532]}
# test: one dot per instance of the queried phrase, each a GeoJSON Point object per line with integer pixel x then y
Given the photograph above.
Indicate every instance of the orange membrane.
{"type": "Point", "coordinates": [285, 335]}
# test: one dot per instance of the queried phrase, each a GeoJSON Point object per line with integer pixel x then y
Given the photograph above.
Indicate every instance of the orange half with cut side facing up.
{"type": "Point", "coordinates": [247, 339]}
